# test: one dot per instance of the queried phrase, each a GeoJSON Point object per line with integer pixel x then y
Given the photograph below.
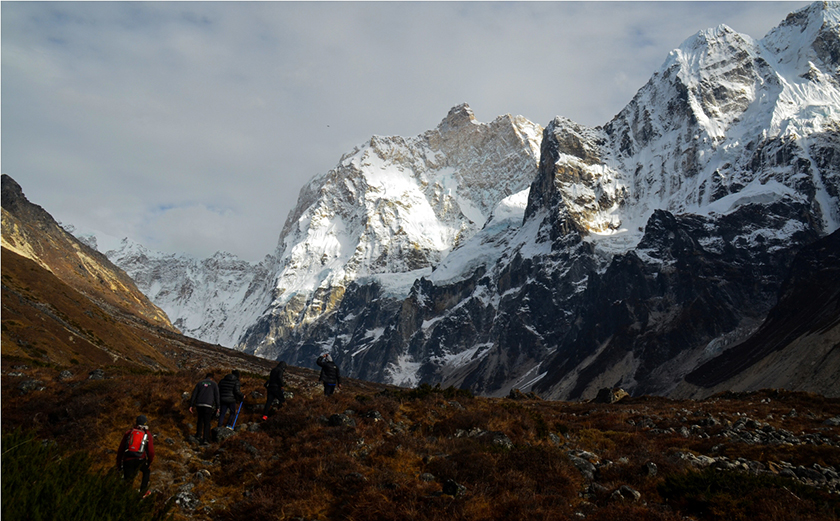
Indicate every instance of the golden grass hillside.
{"type": "Point", "coordinates": [377, 453]}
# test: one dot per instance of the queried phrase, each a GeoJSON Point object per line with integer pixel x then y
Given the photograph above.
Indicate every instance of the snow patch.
{"type": "Point", "coordinates": [403, 373]}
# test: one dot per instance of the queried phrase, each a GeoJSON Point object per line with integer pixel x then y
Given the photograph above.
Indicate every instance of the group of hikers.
{"type": "Point", "coordinates": [136, 451]}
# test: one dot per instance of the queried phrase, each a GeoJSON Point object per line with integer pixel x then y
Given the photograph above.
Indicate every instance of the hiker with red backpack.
{"type": "Point", "coordinates": [229, 394]}
{"type": "Point", "coordinates": [205, 399]}
{"type": "Point", "coordinates": [136, 453]}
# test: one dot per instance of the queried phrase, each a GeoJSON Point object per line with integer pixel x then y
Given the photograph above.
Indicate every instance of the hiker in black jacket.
{"type": "Point", "coordinates": [205, 399]}
{"type": "Point", "coordinates": [330, 375]}
{"type": "Point", "coordinates": [274, 387]}
{"type": "Point", "coordinates": [229, 395]}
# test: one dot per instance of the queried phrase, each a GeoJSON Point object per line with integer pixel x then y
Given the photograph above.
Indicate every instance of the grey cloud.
{"type": "Point", "coordinates": [192, 126]}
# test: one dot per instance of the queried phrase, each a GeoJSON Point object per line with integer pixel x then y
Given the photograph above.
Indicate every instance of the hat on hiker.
{"type": "Point", "coordinates": [141, 420]}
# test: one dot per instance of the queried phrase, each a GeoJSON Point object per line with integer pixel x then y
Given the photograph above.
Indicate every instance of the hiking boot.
{"type": "Point", "coordinates": [147, 494]}
{"type": "Point", "coordinates": [265, 418]}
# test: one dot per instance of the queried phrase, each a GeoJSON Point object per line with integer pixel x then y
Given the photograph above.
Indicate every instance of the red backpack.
{"type": "Point", "coordinates": [135, 446]}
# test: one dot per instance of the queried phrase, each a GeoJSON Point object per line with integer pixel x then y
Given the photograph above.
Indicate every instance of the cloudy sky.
{"type": "Point", "coordinates": [191, 126]}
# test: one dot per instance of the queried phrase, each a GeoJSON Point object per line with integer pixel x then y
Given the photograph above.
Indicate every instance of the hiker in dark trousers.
{"type": "Point", "coordinates": [205, 399]}
{"type": "Point", "coordinates": [274, 387]}
{"type": "Point", "coordinates": [330, 375]}
{"type": "Point", "coordinates": [229, 395]}
{"type": "Point", "coordinates": [136, 453]}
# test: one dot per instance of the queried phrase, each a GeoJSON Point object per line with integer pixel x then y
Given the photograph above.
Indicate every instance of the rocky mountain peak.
{"type": "Point", "coordinates": [808, 36]}
{"type": "Point", "coordinates": [15, 202]}
{"type": "Point", "coordinates": [31, 232]}
{"type": "Point", "coordinates": [458, 116]}
{"type": "Point", "coordinates": [12, 193]}
{"type": "Point", "coordinates": [392, 209]}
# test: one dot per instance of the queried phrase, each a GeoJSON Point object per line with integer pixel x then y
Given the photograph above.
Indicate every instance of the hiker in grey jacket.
{"type": "Point", "coordinates": [205, 399]}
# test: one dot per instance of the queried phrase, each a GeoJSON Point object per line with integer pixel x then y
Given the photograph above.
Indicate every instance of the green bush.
{"type": "Point", "coordinates": [41, 483]}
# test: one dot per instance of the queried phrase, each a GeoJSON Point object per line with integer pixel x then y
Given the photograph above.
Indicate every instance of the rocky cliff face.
{"type": "Point", "coordinates": [495, 256]}
{"type": "Point", "coordinates": [797, 345]}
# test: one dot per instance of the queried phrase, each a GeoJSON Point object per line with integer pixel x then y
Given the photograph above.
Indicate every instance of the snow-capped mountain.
{"type": "Point", "coordinates": [564, 259]}
{"type": "Point", "coordinates": [212, 299]}
{"type": "Point", "coordinates": [392, 209]}
{"type": "Point", "coordinates": [645, 246]}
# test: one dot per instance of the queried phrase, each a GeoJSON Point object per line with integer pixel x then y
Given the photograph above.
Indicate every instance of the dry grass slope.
{"type": "Point", "coordinates": [387, 454]}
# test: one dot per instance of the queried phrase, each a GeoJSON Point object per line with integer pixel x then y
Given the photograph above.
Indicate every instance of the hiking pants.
{"type": "Point", "coordinates": [329, 389]}
{"type": "Point", "coordinates": [130, 469]}
{"type": "Point", "coordinates": [223, 409]}
{"type": "Point", "coordinates": [273, 394]}
{"type": "Point", "coordinates": [202, 429]}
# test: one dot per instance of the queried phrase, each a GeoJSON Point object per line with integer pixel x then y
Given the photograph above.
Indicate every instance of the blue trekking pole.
{"type": "Point", "coordinates": [237, 415]}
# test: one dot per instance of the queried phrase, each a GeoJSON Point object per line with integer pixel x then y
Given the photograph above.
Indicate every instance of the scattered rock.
{"type": "Point", "coordinates": [596, 490]}
{"type": "Point", "coordinates": [823, 477]}
{"type": "Point", "coordinates": [499, 439]}
{"type": "Point", "coordinates": [96, 374]}
{"type": "Point", "coordinates": [453, 488]}
{"type": "Point", "coordinates": [625, 493]}
{"type": "Point", "coordinates": [27, 386]}
{"type": "Point", "coordinates": [396, 427]}
{"type": "Point", "coordinates": [427, 477]}
{"type": "Point", "coordinates": [586, 468]}
{"type": "Point", "coordinates": [220, 434]}
{"type": "Point", "coordinates": [250, 448]}
{"type": "Point", "coordinates": [374, 415]}
{"type": "Point", "coordinates": [516, 394]}
{"type": "Point", "coordinates": [186, 499]}
{"type": "Point", "coordinates": [607, 395]}
{"type": "Point", "coordinates": [201, 476]}
{"type": "Point", "coordinates": [65, 375]}
{"type": "Point", "coordinates": [650, 469]}
{"type": "Point", "coordinates": [809, 474]}
{"type": "Point", "coordinates": [338, 420]}
{"type": "Point", "coordinates": [584, 454]}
